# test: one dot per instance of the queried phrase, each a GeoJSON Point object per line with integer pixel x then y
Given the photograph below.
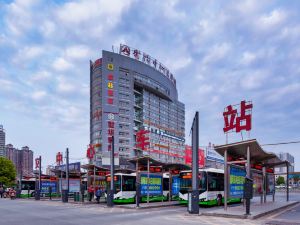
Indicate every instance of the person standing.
{"type": "Point", "coordinates": [1, 191]}
{"type": "Point", "coordinates": [91, 192]}
{"type": "Point", "coordinates": [98, 194]}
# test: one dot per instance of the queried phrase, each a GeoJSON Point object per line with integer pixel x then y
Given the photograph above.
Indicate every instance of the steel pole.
{"type": "Point", "coordinates": [287, 181]}
{"type": "Point", "coordinates": [148, 178]}
{"type": "Point", "coordinates": [40, 174]}
{"type": "Point", "coordinates": [225, 179]}
{"type": "Point", "coordinates": [67, 170]}
{"type": "Point", "coordinates": [264, 184]}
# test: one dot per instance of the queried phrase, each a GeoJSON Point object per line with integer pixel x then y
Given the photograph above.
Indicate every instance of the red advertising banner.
{"type": "Point", "coordinates": [188, 156]}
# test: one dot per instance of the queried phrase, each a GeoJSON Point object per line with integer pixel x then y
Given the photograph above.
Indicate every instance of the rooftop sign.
{"type": "Point", "coordinates": [147, 59]}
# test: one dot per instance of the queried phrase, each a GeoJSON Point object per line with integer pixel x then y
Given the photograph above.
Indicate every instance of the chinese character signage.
{"type": "Point", "coordinates": [90, 152]}
{"type": "Point", "coordinates": [37, 163]}
{"type": "Point", "coordinates": [155, 184]}
{"type": "Point", "coordinates": [142, 141]}
{"type": "Point", "coordinates": [46, 184]}
{"type": "Point", "coordinates": [236, 181]}
{"type": "Point", "coordinates": [59, 158]}
{"type": "Point", "coordinates": [145, 58]}
{"type": "Point", "coordinates": [235, 120]}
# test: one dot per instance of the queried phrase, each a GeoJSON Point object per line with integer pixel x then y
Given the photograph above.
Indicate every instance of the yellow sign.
{"type": "Point", "coordinates": [110, 66]}
{"type": "Point", "coordinates": [110, 85]}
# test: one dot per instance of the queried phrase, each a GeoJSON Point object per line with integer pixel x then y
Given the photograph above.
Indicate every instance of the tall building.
{"type": "Point", "coordinates": [2, 141]}
{"type": "Point", "coordinates": [131, 91]}
{"type": "Point", "coordinates": [285, 156]}
{"type": "Point", "coordinates": [22, 159]}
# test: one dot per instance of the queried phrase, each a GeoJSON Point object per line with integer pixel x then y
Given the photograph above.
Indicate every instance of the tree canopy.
{"type": "Point", "coordinates": [7, 172]}
{"type": "Point", "coordinates": [280, 180]}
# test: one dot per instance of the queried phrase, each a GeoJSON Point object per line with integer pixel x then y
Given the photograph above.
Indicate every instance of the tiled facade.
{"type": "Point", "coordinates": [128, 95]}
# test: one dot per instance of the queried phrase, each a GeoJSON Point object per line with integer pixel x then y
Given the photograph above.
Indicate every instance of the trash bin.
{"type": "Point", "coordinates": [65, 195]}
{"type": "Point", "coordinates": [37, 195]}
{"type": "Point", "coordinates": [76, 196]}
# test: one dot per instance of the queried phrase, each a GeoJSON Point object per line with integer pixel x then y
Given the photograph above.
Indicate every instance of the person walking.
{"type": "Point", "coordinates": [1, 191]}
{"type": "Point", "coordinates": [91, 192]}
{"type": "Point", "coordinates": [98, 195]}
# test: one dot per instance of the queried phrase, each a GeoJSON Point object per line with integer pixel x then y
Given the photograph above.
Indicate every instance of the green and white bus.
{"type": "Point", "coordinates": [125, 187]}
{"type": "Point", "coordinates": [211, 187]}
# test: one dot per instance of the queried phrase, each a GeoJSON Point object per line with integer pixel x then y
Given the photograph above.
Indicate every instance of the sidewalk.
{"type": "Point", "coordinates": [150, 205]}
{"type": "Point", "coordinates": [256, 209]}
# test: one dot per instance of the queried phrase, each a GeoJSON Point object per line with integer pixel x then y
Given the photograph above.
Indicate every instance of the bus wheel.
{"type": "Point", "coordinates": [219, 200]}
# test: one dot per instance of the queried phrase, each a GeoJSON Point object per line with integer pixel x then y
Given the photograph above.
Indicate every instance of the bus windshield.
{"type": "Point", "coordinates": [128, 183]}
{"type": "Point", "coordinates": [117, 183]}
{"type": "Point", "coordinates": [186, 181]}
{"type": "Point", "coordinates": [215, 181]}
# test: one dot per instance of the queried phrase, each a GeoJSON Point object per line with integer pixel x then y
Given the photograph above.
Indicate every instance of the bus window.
{"type": "Point", "coordinates": [166, 184]}
{"type": "Point", "coordinates": [202, 182]}
{"type": "Point", "coordinates": [128, 183]}
{"type": "Point", "coordinates": [117, 183]}
{"type": "Point", "coordinates": [186, 182]}
{"type": "Point", "coordinates": [215, 181]}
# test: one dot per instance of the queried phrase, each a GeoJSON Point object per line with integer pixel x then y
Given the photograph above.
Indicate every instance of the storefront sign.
{"type": "Point", "coordinates": [147, 59]}
{"type": "Point", "coordinates": [155, 184]}
{"type": "Point", "coordinates": [236, 181]}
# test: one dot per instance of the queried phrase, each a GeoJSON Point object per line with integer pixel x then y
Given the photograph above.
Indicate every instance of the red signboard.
{"type": "Point", "coordinates": [90, 152]}
{"type": "Point", "coordinates": [142, 141]}
{"type": "Point", "coordinates": [188, 156]}
{"type": "Point", "coordinates": [59, 158]}
{"type": "Point", "coordinates": [37, 163]}
{"type": "Point", "coordinates": [238, 121]}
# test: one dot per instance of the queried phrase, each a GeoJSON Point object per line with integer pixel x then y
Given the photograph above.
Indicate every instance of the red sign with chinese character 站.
{"type": "Point", "coordinates": [238, 120]}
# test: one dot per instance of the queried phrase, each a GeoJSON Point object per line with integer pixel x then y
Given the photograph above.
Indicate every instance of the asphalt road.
{"type": "Point", "coordinates": [31, 212]}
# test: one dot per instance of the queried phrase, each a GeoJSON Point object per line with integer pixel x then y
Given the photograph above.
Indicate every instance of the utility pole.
{"type": "Point", "coordinates": [193, 200]}
{"type": "Point", "coordinates": [40, 174]}
{"type": "Point", "coordinates": [110, 199]}
{"type": "Point", "coordinates": [67, 170]}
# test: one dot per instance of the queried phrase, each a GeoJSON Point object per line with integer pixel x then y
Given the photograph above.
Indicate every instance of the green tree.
{"type": "Point", "coordinates": [280, 180]}
{"type": "Point", "coordinates": [7, 172]}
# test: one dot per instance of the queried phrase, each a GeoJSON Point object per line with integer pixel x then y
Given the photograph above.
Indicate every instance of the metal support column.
{"type": "Point", "coordinates": [225, 179]}
{"type": "Point", "coordinates": [137, 191]}
{"type": "Point", "coordinates": [148, 178]}
{"type": "Point", "coordinates": [110, 196]}
{"type": "Point", "coordinates": [264, 184]}
{"type": "Point", "coordinates": [248, 169]}
{"type": "Point", "coordinates": [287, 181]}
{"type": "Point", "coordinates": [170, 185]}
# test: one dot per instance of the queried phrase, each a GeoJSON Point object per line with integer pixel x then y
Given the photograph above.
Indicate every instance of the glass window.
{"type": "Point", "coordinates": [215, 181]}
{"type": "Point", "coordinates": [128, 183]}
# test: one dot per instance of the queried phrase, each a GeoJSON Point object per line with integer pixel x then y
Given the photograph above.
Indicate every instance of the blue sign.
{"type": "Point", "coordinates": [73, 167]}
{"type": "Point", "coordinates": [155, 184]}
{"type": "Point", "coordinates": [175, 185]}
{"type": "Point", "coordinates": [46, 185]}
{"type": "Point", "coordinates": [236, 182]}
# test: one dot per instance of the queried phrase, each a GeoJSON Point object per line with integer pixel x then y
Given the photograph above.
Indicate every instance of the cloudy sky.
{"type": "Point", "coordinates": [221, 52]}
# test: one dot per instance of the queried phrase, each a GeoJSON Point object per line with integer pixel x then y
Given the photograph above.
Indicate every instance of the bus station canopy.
{"type": "Point", "coordinates": [92, 167]}
{"type": "Point", "coordinates": [258, 155]}
{"type": "Point", "coordinates": [176, 166]}
{"type": "Point", "coordinates": [143, 161]}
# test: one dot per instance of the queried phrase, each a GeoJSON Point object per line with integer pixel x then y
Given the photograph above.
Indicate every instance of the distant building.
{"type": "Point", "coordinates": [2, 141]}
{"type": "Point", "coordinates": [49, 170]}
{"type": "Point", "coordinates": [22, 159]}
{"type": "Point", "coordinates": [285, 156]}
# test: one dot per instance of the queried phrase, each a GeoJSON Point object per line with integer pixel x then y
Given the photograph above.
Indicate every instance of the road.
{"type": "Point", "coordinates": [31, 212]}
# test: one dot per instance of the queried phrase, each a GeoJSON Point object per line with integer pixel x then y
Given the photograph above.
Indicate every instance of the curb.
{"type": "Point", "coordinates": [249, 216]}
{"type": "Point", "coordinates": [145, 207]}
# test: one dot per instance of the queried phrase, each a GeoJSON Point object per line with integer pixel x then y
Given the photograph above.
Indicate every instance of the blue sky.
{"type": "Point", "coordinates": [221, 52]}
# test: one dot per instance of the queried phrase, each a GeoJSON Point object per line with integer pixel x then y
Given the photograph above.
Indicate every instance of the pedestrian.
{"type": "Point", "coordinates": [1, 191]}
{"type": "Point", "coordinates": [98, 195]}
{"type": "Point", "coordinates": [91, 192]}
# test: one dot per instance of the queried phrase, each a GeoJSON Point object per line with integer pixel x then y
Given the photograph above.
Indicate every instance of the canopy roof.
{"type": "Point", "coordinates": [143, 161]}
{"type": "Point", "coordinates": [257, 154]}
{"type": "Point", "coordinates": [92, 166]}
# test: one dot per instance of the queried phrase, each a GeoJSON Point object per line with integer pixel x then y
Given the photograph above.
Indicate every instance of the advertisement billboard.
{"type": "Point", "coordinates": [175, 185]}
{"type": "Point", "coordinates": [257, 183]}
{"type": "Point", "coordinates": [46, 184]}
{"type": "Point", "coordinates": [155, 184]}
{"type": "Point", "coordinates": [73, 167]}
{"type": "Point", "coordinates": [236, 181]}
{"type": "Point", "coordinates": [74, 185]}
{"type": "Point", "coordinates": [270, 183]}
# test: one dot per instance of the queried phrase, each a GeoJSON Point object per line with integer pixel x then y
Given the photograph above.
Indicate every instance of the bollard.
{"type": "Point", "coordinates": [65, 196]}
{"type": "Point", "coordinates": [37, 195]}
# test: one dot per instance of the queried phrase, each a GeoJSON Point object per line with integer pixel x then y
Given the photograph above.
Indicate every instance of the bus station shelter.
{"type": "Point", "coordinates": [248, 156]}
{"type": "Point", "coordinates": [96, 176]}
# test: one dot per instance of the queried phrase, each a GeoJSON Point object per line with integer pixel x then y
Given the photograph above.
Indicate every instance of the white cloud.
{"type": "Point", "coordinates": [78, 52]}
{"type": "Point", "coordinates": [216, 53]}
{"type": "Point", "coordinates": [248, 58]}
{"type": "Point", "coordinates": [64, 86]}
{"type": "Point", "coordinates": [271, 20]}
{"type": "Point", "coordinates": [61, 64]}
{"type": "Point", "coordinates": [291, 90]}
{"type": "Point", "coordinates": [254, 79]}
{"type": "Point", "coordinates": [38, 95]}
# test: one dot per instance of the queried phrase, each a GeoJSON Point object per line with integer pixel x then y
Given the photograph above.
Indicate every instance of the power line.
{"type": "Point", "coordinates": [282, 143]}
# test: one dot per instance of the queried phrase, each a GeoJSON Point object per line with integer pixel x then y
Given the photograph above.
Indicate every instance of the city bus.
{"type": "Point", "coordinates": [125, 187]}
{"type": "Point", "coordinates": [28, 187]}
{"type": "Point", "coordinates": [211, 187]}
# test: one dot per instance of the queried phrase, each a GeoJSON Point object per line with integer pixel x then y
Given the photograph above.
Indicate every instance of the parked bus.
{"type": "Point", "coordinates": [125, 187]}
{"type": "Point", "coordinates": [211, 187]}
{"type": "Point", "coordinates": [28, 187]}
